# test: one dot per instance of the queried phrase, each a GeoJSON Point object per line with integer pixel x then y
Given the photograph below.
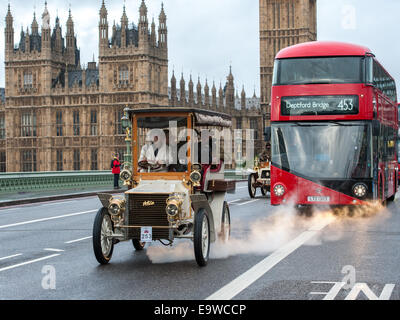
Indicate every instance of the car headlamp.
{"type": "Point", "coordinates": [195, 177]}
{"type": "Point", "coordinates": [116, 207]}
{"type": "Point", "coordinates": [174, 206]}
{"type": "Point", "coordinates": [360, 190]}
{"type": "Point", "coordinates": [279, 190]}
{"type": "Point", "coordinates": [126, 175]}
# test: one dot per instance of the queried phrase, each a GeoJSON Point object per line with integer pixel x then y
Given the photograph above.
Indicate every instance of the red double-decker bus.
{"type": "Point", "coordinates": [334, 123]}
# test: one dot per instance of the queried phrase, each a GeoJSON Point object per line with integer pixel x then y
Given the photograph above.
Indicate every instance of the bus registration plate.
{"type": "Point", "coordinates": [318, 199]}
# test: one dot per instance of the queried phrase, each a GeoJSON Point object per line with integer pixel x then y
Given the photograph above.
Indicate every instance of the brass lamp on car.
{"type": "Point", "coordinates": [126, 175]}
{"type": "Point", "coordinates": [116, 209]}
{"type": "Point", "coordinates": [174, 206]}
{"type": "Point", "coordinates": [195, 176]}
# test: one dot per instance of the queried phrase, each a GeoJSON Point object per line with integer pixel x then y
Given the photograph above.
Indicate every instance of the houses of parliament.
{"type": "Point", "coordinates": [56, 115]}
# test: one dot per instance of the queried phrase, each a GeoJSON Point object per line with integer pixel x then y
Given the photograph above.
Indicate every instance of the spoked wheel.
{"type": "Point", "coordinates": [201, 239]}
{"type": "Point", "coordinates": [226, 224]}
{"type": "Point", "coordinates": [251, 187]}
{"type": "Point", "coordinates": [103, 244]}
{"type": "Point", "coordinates": [139, 246]}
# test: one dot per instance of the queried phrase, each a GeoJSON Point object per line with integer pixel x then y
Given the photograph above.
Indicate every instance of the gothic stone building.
{"type": "Point", "coordinates": [282, 23]}
{"type": "Point", "coordinates": [58, 115]}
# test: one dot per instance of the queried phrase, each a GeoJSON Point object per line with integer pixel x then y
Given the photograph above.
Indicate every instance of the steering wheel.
{"type": "Point", "coordinates": [147, 165]}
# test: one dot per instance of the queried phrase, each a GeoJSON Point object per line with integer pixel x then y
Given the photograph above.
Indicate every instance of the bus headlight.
{"type": "Point", "coordinates": [360, 190]}
{"type": "Point", "coordinates": [279, 190]}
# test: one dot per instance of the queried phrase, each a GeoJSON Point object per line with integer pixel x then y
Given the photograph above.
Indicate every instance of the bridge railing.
{"type": "Point", "coordinates": [67, 180]}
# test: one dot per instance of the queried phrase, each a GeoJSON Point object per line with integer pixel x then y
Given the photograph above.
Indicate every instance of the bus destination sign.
{"type": "Point", "coordinates": [319, 105]}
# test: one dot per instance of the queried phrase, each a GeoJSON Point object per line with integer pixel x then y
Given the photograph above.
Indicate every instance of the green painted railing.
{"type": "Point", "coordinates": [68, 180]}
{"type": "Point", "coordinates": [44, 181]}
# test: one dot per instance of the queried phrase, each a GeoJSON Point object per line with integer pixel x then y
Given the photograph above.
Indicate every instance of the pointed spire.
{"type": "Point", "coordinates": [153, 33]}
{"type": "Point", "coordinates": [9, 17]}
{"type": "Point", "coordinates": [199, 95]}
{"type": "Point", "coordinates": [214, 96]}
{"type": "Point", "coordinates": [124, 19]}
{"type": "Point", "coordinates": [191, 92]}
{"type": "Point", "coordinates": [182, 91]}
{"type": "Point", "coordinates": [103, 12]}
{"type": "Point", "coordinates": [34, 26]}
{"type": "Point", "coordinates": [162, 30]}
{"type": "Point", "coordinates": [143, 12]}
{"type": "Point", "coordinates": [243, 99]}
{"type": "Point", "coordinates": [173, 89]}
{"type": "Point", "coordinates": [45, 17]}
{"type": "Point", "coordinates": [206, 94]}
{"type": "Point", "coordinates": [9, 33]}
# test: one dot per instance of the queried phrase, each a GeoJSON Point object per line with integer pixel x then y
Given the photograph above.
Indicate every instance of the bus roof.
{"type": "Point", "coordinates": [322, 49]}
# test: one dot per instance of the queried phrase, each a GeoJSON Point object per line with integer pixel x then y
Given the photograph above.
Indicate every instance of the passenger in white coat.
{"type": "Point", "coordinates": [158, 153]}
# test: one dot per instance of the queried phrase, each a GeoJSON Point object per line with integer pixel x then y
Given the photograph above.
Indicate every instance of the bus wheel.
{"type": "Point", "coordinates": [391, 199]}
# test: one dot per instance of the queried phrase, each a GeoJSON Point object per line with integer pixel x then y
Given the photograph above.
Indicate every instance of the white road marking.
{"type": "Point", "coordinates": [54, 250]}
{"type": "Point", "coordinates": [81, 239]}
{"type": "Point", "coordinates": [28, 262]}
{"type": "Point", "coordinates": [13, 256]}
{"type": "Point", "coordinates": [236, 286]}
{"type": "Point", "coordinates": [233, 201]}
{"type": "Point", "coordinates": [248, 202]}
{"type": "Point", "coordinates": [46, 219]}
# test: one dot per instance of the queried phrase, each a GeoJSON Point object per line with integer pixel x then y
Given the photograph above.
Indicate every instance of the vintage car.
{"type": "Point", "coordinates": [167, 198]}
{"type": "Point", "coordinates": [259, 177]}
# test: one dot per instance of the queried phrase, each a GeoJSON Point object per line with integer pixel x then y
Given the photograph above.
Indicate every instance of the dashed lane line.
{"type": "Point", "coordinates": [53, 250]}
{"type": "Point", "coordinates": [28, 262]}
{"type": "Point", "coordinates": [77, 240]}
{"type": "Point", "coordinates": [10, 257]}
{"type": "Point", "coordinates": [248, 202]}
{"type": "Point", "coordinates": [46, 219]}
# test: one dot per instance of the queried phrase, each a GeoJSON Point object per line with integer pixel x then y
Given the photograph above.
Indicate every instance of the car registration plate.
{"type": "Point", "coordinates": [146, 234]}
{"type": "Point", "coordinates": [318, 199]}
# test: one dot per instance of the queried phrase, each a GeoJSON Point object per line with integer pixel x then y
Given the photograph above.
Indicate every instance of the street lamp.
{"type": "Point", "coordinates": [126, 125]}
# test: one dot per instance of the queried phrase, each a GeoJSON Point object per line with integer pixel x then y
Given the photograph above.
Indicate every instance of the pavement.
{"type": "Point", "coordinates": [273, 254]}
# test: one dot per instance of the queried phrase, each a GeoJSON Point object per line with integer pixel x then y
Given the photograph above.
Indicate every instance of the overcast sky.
{"type": "Point", "coordinates": [206, 36]}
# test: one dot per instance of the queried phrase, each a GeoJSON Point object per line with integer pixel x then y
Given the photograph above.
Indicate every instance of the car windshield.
{"type": "Point", "coordinates": [339, 150]}
{"type": "Point", "coordinates": [319, 70]}
{"type": "Point", "coordinates": [162, 144]}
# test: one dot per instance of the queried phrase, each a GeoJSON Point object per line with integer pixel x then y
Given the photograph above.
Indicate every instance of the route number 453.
{"type": "Point", "coordinates": [346, 105]}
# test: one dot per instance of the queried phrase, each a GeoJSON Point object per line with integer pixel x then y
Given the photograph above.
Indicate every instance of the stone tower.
{"type": "Point", "coordinates": [133, 65]}
{"type": "Point", "coordinates": [282, 23]}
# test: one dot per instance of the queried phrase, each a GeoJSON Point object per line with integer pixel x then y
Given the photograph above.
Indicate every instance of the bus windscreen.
{"type": "Point", "coordinates": [327, 70]}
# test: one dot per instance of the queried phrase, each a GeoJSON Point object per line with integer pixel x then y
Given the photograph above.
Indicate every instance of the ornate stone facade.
{"type": "Point", "coordinates": [59, 115]}
{"type": "Point", "coordinates": [282, 23]}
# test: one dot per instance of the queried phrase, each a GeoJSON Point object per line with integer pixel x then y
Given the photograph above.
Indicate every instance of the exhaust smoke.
{"type": "Point", "coordinates": [267, 234]}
